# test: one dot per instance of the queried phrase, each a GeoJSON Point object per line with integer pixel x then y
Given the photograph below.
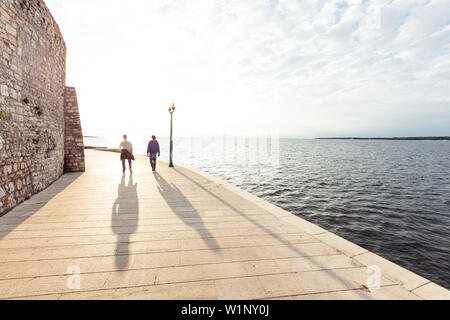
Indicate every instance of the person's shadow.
{"type": "Point", "coordinates": [124, 219]}
{"type": "Point", "coordinates": [177, 201]}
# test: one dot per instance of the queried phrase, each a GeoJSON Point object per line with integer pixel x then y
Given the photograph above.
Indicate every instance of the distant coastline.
{"type": "Point", "coordinates": [392, 138]}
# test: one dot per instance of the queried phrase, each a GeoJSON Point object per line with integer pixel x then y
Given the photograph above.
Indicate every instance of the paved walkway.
{"type": "Point", "coordinates": [179, 234]}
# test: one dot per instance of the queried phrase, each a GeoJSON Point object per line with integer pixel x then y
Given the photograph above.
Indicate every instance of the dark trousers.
{"type": "Point", "coordinates": [153, 161]}
{"type": "Point", "coordinates": [123, 164]}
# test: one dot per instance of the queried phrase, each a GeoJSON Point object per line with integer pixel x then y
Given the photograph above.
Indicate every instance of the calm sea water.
{"type": "Point", "coordinates": [390, 197]}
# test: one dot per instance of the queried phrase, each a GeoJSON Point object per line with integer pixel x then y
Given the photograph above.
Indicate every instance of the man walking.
{"type": "Point", "coordinates": [126, 153]}
{"type": "Point", "coordinates": [152, 151]}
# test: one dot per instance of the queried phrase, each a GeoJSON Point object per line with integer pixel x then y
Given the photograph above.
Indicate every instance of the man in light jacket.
{"type": "Point", "coordinates": [152, 151]}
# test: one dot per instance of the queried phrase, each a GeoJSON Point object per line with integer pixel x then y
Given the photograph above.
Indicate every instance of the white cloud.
{"type": "Point", "coordinates": [307, 67]}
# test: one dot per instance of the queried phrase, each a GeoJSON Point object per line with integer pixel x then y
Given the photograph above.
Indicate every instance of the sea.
{"type": "Point", "coordinates": [390, 197]}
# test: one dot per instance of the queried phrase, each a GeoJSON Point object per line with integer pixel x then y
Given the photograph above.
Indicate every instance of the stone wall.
{"type": "Point", "coordinates": [32, 85]}
{"type": "Point", "coordinates": [74, 145]}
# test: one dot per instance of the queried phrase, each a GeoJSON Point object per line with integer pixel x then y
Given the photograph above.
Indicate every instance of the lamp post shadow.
{"type": "Point", "coordinates": [126, 204]}
{"type": "Point", "coordinates": [178, 203]}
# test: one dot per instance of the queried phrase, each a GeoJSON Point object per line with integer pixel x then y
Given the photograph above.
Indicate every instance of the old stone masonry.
{"type": "Point", "coordinates": [40, 130]}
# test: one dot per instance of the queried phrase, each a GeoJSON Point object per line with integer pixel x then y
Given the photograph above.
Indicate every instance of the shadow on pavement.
{"type": "Point", "coordinates": [28, 208]}
{"type": "Point", "coordinates": [127, 203]}
{"type": "Point", "coordinates": [297, 250]}
{"type": "Point", "coordinates": [178, 204]}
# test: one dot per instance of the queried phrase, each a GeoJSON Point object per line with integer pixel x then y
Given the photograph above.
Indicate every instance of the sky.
{"type": "Point", "coordinates": [300, 68]}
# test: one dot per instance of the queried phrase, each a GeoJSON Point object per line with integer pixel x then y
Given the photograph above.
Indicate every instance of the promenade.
{"type": "Point", "coordinates": [180, 234]}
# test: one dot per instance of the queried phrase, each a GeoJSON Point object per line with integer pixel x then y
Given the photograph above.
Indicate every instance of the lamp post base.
{"type": "Point", "coordinates": [171, 150]}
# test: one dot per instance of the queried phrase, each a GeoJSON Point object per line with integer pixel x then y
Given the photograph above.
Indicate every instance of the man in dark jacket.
{"type": "Point", "coordinates": [152, 151]}
{"type": "Point", "coordinates": [126, 153]}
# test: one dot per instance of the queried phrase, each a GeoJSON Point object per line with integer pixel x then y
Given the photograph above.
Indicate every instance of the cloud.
{"type": "Point", "coordinates": [304, 67]}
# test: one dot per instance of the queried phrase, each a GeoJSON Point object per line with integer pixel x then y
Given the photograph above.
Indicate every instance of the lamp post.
{"type": "Point", "coordinates": [171, 111]}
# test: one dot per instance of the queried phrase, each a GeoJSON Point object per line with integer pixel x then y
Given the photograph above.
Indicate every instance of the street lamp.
{"type": "Point", "coordinates": [171, 111]}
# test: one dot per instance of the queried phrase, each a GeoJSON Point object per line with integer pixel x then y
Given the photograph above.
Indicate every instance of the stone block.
{"type": "Point", "coordinates": [4, 90]}
{"type": "Point", "coordinates": [11, 30]}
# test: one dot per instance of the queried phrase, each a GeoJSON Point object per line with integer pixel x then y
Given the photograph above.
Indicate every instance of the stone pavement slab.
{"type": "Point", "coordinates": [180, 234]}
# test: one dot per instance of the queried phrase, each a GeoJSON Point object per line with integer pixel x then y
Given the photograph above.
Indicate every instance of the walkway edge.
{"type": "Point", "coordinates": [411, 281]}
